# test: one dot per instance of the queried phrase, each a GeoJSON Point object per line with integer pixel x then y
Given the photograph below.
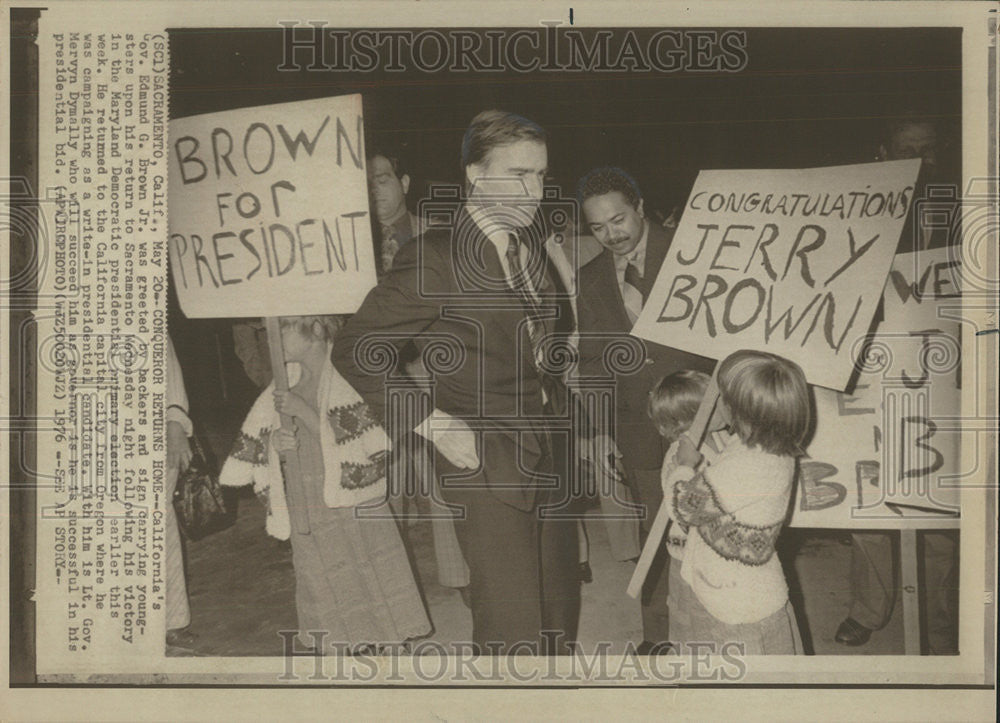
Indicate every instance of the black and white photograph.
{"type": "Point", "coordinates": [563, 347]}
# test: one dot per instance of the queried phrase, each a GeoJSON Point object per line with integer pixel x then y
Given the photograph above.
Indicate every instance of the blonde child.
{"type": "Point", "coordinates": [673, 403]}
{"type": "Point", "coordinates": [354, 588]}
{"type": "Point", "coordinates": [733, 587]}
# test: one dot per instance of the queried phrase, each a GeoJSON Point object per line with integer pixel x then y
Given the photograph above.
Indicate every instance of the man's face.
{"type": "Point", "coordinates": [613, 222]}
{"type": "Point", "coordinates": [387, 191]}
{"type": "Point", "coordinates": [914, 140]}
{"type": "Point", "coordinates": [515, 171]}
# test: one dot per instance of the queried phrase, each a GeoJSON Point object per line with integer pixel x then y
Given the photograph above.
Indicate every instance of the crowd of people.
{"type": "Point", "coordinates": [491, 453]}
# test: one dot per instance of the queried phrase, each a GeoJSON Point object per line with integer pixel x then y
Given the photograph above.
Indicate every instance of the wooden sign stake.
{"type": "Point", "coordinates": [289, 460]}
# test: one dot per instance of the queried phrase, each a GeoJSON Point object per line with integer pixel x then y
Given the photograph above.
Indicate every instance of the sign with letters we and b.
{"type": "Point", "coordinates": [887, 453]}
{"type": "Point", "coordinates": [269, 210]}
{"type": "Point", "coordinates": [802, 264]}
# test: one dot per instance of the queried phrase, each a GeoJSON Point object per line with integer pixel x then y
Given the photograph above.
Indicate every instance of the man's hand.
{"type": "Point", "coordinates": [452, 437]}
{"type": "Point", "coordinates": [178, 447]}
{"type": "Point", "coordinates": [603, 455]}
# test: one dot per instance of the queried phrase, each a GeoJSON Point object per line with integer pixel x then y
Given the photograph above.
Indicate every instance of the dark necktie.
{"type": "Point", "coordinates": [632, 295]}
{"type": "Point", "coordinates": [521, 285]}
{"type": "Point", "coordinates": [553, 393]}
{"type": "Point", "coordinates": [390, 246]}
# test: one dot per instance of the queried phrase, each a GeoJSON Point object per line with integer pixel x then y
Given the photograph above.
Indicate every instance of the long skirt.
{"type": "Point", "coordinates": [353, 583]}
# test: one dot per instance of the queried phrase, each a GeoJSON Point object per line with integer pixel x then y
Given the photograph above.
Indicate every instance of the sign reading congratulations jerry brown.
{"type": "Point", "coordinates": [269, 210]}
{"type": "Point", "coordinates": [787, 261]}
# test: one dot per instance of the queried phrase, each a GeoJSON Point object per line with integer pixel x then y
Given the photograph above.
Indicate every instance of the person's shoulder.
{"type": "Point", "coordinates": [423, 224]}
{"type": "Point", "coordinates": [435, 233]}
{"type": "Point", "coordinates": [658, 242]}
{"type": "Point", "coordinates": [739, 462]}
{"type": "Point", "coordinates": [420, 251]}
{"type": "Point", "coordinates": [416, 224]}
{"type": "Point", "coordinates": [428, 256]}
{"type": "Point", "coordinates": [592, 270]}
{"type": "Point", "coordinates": [659, 234]}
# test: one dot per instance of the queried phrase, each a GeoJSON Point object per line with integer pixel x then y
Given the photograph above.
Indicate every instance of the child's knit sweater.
{"type": "Point", "coordinates": [715, 443]}
{"type": "Point", "coordinates": [737, 505]}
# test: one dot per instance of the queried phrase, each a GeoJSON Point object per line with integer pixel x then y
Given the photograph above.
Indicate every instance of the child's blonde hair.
{"type": "Point", "coordinates": [674, 401]}
{"type": "Point", "coordinates": [307, 325]}
{"type": "Point", "coordinates": [768, 401]}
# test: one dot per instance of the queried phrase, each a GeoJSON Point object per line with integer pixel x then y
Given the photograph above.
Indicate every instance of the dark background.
{"type": "Point", "coordinates": [807, 97]}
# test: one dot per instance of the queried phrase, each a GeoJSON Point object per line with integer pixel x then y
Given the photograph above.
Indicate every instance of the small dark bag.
{"type": "Point", "coordinates": [198, 499]}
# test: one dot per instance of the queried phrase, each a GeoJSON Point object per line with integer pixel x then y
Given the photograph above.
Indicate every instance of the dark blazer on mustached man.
{"type": "Point", "coordinates": [602, 310]}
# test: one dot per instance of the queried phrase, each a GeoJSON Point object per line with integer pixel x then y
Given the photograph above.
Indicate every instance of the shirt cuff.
{"type": "Point", "coordinates": [441, 420]}
{"type": "Point", "coordinates": [176, 413]}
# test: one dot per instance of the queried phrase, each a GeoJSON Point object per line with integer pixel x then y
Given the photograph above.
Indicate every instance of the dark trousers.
{"type": "Point", "coordinates": [523, 573]}
{"type": "Point", "coordinates": [874, 584]}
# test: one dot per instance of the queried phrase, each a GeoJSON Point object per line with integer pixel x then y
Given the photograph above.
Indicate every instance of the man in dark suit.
{"type": "Point", "coordinates": [874, 569]}
{"type": "Point", "coordinates": [388, 184]}
{"type": "Point", "coordinates": [484, 284]}
{"type": "Point", "coordinates": [612, 290]}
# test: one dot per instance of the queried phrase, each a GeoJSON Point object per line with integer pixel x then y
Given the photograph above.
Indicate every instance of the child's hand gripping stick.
{"type": "Point", "coordinates": [696, 433]}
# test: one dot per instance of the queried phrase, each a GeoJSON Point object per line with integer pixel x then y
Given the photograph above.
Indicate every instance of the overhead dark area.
{"type": "Point", "coordinates": [806, 97]}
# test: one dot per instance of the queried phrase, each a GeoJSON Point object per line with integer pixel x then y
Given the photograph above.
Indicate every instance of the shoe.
{"type": "Point", "coordinates": [648, 647]}
{"type": "Point", "coordinates": [852, 633]}
{"type": "Point", "coordinates": [181, 637]}
{"type": "Point", "coordinates": [586, 574]}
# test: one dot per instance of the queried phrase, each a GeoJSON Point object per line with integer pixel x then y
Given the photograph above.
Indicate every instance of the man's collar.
{"type": "Point", "coordinates": [498, 234]}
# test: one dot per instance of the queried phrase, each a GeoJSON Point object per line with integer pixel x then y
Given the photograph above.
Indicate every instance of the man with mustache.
{"type": "Point", "coordinates": [613, 288]}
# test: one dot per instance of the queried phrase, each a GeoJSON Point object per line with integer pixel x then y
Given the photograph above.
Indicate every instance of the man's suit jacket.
{"type": "Point", "coordinates": [450, 284]}
{"type": "Point", "coordinates": [602, 310]}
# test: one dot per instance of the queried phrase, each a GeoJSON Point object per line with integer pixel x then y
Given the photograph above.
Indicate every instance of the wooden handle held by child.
{"type": "Point", "coordinates": [290, 459]}
{"type": "Point", "coordinates": [696, 433]}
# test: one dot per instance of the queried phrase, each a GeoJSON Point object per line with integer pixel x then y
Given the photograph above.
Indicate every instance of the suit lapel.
{"type": "Point", "coordinates": [657, 244]}
{"type": "Point", "coordinates": [611, 293]}
{"type": "Point", "coordinates": [475, 259]}
{"type": "Point", "coordinates": [483, 276]}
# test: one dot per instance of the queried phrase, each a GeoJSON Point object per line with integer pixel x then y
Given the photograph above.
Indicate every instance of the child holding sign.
{"type": "Point", "coordinates": [733, 587]}
{"type": "Point", "coordinates": [354, 587]}
{"type": "Point", "coordinates": [673, 404]}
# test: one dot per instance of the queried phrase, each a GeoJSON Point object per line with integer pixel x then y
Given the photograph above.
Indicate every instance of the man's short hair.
{"type": "Point", "coordinates": [894, 125]}
{"type": "Point", "coordinates": [607, 179]}
{"type": "Point", "coordinates": [493, 128]}
{"type": "Point", "coordinates": [394, 158]}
